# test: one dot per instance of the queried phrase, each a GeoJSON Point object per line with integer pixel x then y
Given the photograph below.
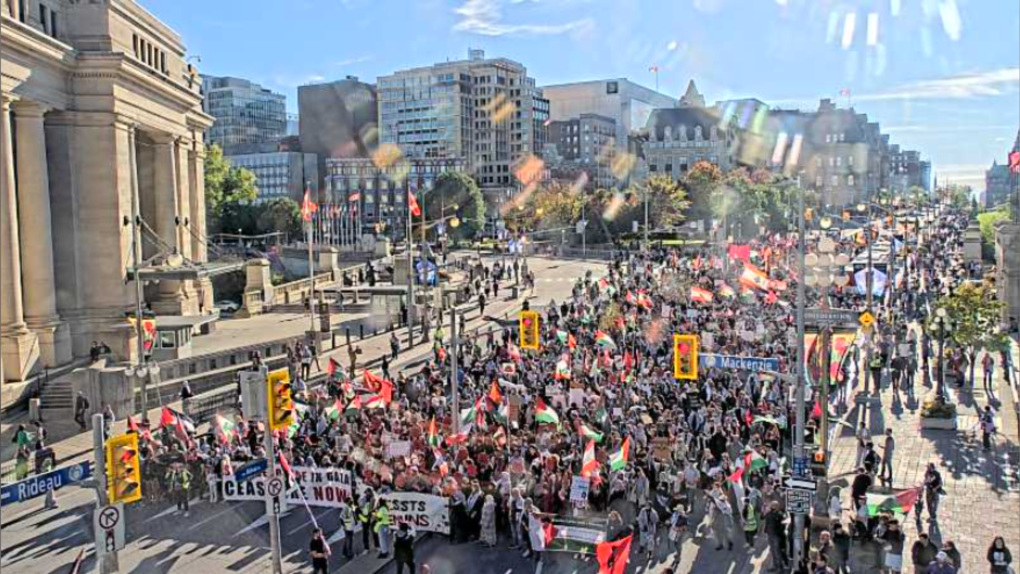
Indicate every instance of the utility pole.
{"type": "Point", "coordinates": [426, 287]}
{"type": "Point", "coordinates": [109, 563]}
{"type": "Point", "coordinates": [274, 517]}
{"type": "Point", "coordinates": [647, 192]}
{"type": "Point", "coordinates": [798, 439]}
{"type": "Point", "coordinates": [870, 286]}
{"type": "Point", "coordinates": [410, 268]}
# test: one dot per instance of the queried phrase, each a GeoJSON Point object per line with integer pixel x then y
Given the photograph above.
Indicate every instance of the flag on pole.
{"type": "Point", "coordinates": [1014, 162]}
{"type": "Point", "coordinates": [753, 277]}
{"type": "Point", "coordinates": [308, 207]}
{"type": "Point", "coordinates": [754, 461]}
{"type": "Point", "coordinates": [374, 402]}
{"type": "Point", "coordinates": [334, 411]}
{"type": "Point", "coordinates": [589, 433]}
{"type": "Point", "coordinates": [354, 407]}
{"type": "Point", "coordinates": [613, 556]}
{"type": "Point", "coordinates": [333, 366]}
{"type": "Point", "coordinates": [699, 295]}
{"type": "Point", "coordinates": [433, 435]}
{"type": "Point", "coordinates": [171, 418]}
{"type": "Point", "coordinates": [412, 204]}
{"type": "Point", "coordinates": [562, 370]}
{"type": "Point", "coordinates": [618, 460]}
{"type": "Point", "coordinates": [494, 395]}
{"type": "Point", "coordinates": [588, 462]}
{"type": "Point", "coordinates": [224, 429]}
{"type": "Point", "coordinates": [379, 385]}
{"type": "Point", "coordinates": [900, 503]}
{"type": "Point", "coordinates": [544, 414]}
{"type": "Point", "coordinates": [602, 339]}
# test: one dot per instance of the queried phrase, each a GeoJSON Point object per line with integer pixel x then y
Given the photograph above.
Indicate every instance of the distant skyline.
{"type": "Point", "coordinates": [942, 76]}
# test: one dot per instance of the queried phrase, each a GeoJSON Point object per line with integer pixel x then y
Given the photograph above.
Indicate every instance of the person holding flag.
{"type": "Point", "coordinates": [319, 550]}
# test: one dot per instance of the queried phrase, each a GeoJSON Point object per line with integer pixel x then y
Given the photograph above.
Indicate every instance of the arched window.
{"type": "Point", "coordinates": [697, 133]}
{"type": "Point", "coordinates": [668, 133]}
{"type": "Point", "coordinates": [683, 132]}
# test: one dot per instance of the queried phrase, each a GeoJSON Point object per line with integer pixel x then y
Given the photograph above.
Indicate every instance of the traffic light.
{"type": "Point", "coordinates": [123, 469]}
{"type": "Point", "coordinates": [529, 325]}
{"type": "Point", "coordinates": [281, 405]}
{"type": "Point", "coordinates": [685, 357]}
{"type": "Point", "coordinates": [818, 464]}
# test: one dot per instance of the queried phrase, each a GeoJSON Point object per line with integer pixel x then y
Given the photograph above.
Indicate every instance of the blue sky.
{"type": "Point", "coordinates": [942, 76]}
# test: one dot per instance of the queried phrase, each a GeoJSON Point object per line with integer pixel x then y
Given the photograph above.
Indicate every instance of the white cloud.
{"type": "Point", "coordinates": [485, 17]}
{"type": "Point", "coordinates": [960, 87]}
{"type": "Point", "coordinates": [353, 61]}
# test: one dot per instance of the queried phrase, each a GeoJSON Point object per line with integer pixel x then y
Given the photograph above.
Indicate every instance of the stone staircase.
{"type": "Point", "coordinates": [57, 398]}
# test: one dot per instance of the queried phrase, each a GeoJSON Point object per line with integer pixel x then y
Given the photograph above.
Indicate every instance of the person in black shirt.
{"type": "Point", "coordinates": [403, 548]}
{"type": "Point", "coordinates": [320, 552]}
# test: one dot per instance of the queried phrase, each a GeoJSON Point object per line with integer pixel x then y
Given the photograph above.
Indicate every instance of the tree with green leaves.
{"type": "Point", "coordinates": [460, 189]}
{"type": "Point", "coordinates": [551, 206]}
{"type": "Point", "coordinates": [280, 214]}
{"type": "Point", "coordinates": [702, 181]}
{"type": "Point", "coordinates": [667, 201]}
{"type": "Point", "coordinates": [227, 187]}
{"type": "Point", "coordinates": [974, 316]}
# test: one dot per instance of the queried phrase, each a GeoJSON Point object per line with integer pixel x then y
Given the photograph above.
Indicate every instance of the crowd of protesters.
{"type": "Point", "coordinates": [672, 459]}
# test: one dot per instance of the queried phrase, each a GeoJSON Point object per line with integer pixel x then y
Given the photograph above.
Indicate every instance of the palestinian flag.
{"type": "Point", "coordinates": [333, 366]}
{"type": "Point", "coordinates": [354, 407]}
{"type": "Point", "coordinates": [602, 339]}
{"type": "Point", "coordinates": [754, 278]}
{"type": "Point", "coordinates": [589, 433]}
{"type": "Point", "coordinates": [588, 462]}
{"type": "Point", "coordinates": [618, 460]}
{"type": "Point", "coordinates": [180, 421]}
{"type": "Point", "coordinates": [334, 411]}
{"type": "Point", "coordinates": [737, 475]}
{"type": "Point", "coordinates": [543, 414]}
{"type": "Point", "coordinates": [224, 429]}
{"type": "Point", "coordinates": [754, 461]}
{"type": "Point", "coordinates": [459, 438]}
{"type": "Point", "coordinates": [433, 435]}
{"type": "Point", "coordinates": [899, 504]}
{"type": "Point", "coordinates": [562, 370]}
{"type": "Point", "coordinates": [613, 556]}
{"type": "Point", "coordinates": [699, 295]}
{"type": "Point", "coordinates": [494, 395]}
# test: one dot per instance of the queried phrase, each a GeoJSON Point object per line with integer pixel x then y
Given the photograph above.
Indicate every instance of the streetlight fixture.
{"type": "Point", "coordinates": [942, 325]}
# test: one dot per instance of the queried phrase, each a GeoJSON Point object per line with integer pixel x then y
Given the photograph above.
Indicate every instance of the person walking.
{"type": "Point", "coordinates": [922, 553]}
{"type": "Point", "coordinates": [863, 438]}
{"type": "Point", "coordinates": [488, 530]}
{"type": "Point", "coordinates": [81, 409]}
{"type": "Point", "coordinates": [678, 524]}
{"type": "Point", "coordinates": [988, 368]}
{"type": "Point", "coordinates": [932, 491]}
{"type": "Point", "coordinates": [775, 530]}
{"type": "Point", "coordinates": [648, 529]}
{"type": "Point", "coordinates": [750, 520]}
{"type": "Point", "coordinates": [403, 548]}
{"type": "Point", "coordinates": [364, 516]}
{"type": "Point", "coordinates": [894, 540]}
{"type": "Point", "coordinates": [1000, 559]}
{"type": "Point", "coordinates": [382, 527]}
{"type": "Point", "coordinates": [394, 346]}
{"type": "Point", "coordinates": [885, 473]}
{"type": "Point", "coordinates": [319, 550]}
{"type": "Point", "coordinates": [987, 424]}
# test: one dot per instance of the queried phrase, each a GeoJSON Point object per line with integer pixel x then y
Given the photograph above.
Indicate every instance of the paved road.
{"type": "Point", "coordinates": [215, 537]}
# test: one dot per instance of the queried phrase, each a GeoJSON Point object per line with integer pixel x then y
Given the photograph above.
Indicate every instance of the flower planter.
{"type": "Point", "coordinates": [938, 423]}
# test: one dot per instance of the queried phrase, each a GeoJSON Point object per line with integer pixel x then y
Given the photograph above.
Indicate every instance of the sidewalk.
{"type": "Point", "coordinates": [979, 504]}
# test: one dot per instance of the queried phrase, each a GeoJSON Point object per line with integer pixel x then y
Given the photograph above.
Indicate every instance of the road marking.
{"type": "Point", "coordinates": [166, 512]}
{"type": "Point", "coordinates": [307, 522]}
{"type": "Point", "coordinates": [216, 515]}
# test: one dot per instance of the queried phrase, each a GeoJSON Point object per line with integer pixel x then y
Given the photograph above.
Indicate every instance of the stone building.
{"type": "Point", "coordinates": [100, 113]}
{"type": "Point", "coordinates": [682, 136]}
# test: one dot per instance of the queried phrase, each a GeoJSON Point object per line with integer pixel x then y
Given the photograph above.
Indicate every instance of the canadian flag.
{"type": "Point", "coordinates": [308, 207]}
{"type": "Point", "coordinates": [412, 204]}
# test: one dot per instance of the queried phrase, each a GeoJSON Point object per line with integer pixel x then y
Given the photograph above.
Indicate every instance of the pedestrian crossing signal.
{"type": "Point", "coordinates": [123, 469]}
{"type": "Point", "coordinates": [685, 357]}
{"type": "Point", "coordinates": [281, 404]}
{"type": "Point", "coordinates": [529, 329]}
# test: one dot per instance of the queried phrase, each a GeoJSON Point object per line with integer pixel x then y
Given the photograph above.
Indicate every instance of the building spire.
{"type": "Point", "coordinates": [692, 98]}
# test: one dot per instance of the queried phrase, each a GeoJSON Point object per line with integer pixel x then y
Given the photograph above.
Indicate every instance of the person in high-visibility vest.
{"type": "Point", "coordinates": [363, 511]}
{"type": "Point", "coordinates": [349, 520]}
{"type": "Point", "coordinates": [750, 516]}
{"type": "Point", "coordinates": [382, 528]}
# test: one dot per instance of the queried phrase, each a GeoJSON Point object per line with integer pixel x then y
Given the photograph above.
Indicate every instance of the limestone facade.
{"type": "Point", "coordinates": [101, 119]}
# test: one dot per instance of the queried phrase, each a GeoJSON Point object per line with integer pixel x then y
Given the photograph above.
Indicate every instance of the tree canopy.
{"type": "Point", "coordinates": [227, 188]}
{"type": "Point", "coordinates": [456, 188]}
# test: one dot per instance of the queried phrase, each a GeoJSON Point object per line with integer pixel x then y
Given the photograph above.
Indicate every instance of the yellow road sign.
{"type": "Point", "coordinates": [866, 319]}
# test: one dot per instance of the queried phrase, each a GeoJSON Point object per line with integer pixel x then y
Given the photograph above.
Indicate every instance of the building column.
{"type": "Point", "coordinates": [199, 251]}
{"type": "Point", "coordinates": [37, 272]}
{"type": "Point", "coordinates": [170, 299]}
{"type": "Point", "coordinates": [18, 345]}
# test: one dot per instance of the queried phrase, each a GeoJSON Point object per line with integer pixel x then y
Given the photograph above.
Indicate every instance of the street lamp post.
{"type": "Point", "coordinates": [941, 323]}
{"type": "Point", "coordinates": [798, 441]}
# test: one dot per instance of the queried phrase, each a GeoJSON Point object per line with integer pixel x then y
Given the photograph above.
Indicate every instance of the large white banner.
{"type": "Point", "coordinates": [330, 486]}
{"type": "Point", "coordinates": [425, 512]}
{"type": "Point", "coordinates": [320, 486]}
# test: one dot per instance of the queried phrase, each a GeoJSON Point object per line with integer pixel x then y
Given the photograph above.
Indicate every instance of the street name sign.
{"type": "Point", "coordinates": [796, 483]}
{"type": "Point", "coordinates": [251, 469]}
{"type": "Point", "coordinates": [831, 317]}
{"type": "Point", "coordinates": [734, 363]}
{"type": "Point", "coordinates": [41, 484]}
{"type": "Point", "coordinates": [799, 501]}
